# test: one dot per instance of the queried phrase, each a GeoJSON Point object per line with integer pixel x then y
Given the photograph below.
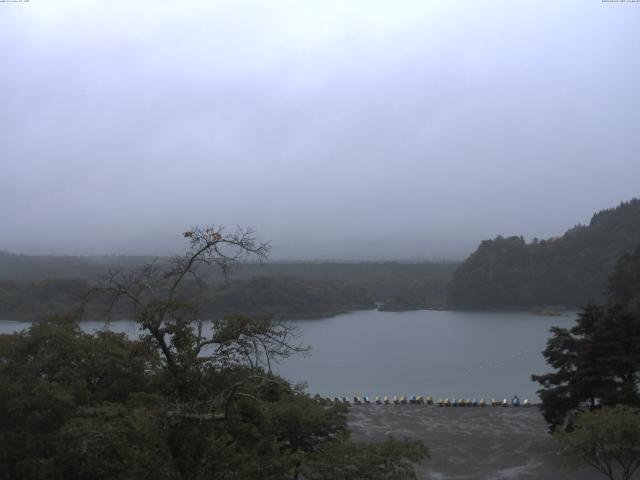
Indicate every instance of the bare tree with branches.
{"type": "Point", "coordinates": [163, 299]}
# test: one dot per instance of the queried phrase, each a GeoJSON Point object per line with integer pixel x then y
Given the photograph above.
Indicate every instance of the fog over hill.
{"type": "Point", "coordinates": [338, 130]}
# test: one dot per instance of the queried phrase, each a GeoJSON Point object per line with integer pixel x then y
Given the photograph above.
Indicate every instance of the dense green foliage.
{"type": "Point", "coordinates": [32, 287]}
{"type": "Point", "coordinates": [571, 270]}
{"type": "Point", "coordinates": [284, 297]}
{"type": "Point", "coordinates": [74, 405]}
{"type": "Point", "coordinates": [37, 299]}
{"type": "Point", "coordinates": [608, 440]}
{"type": "Point", "coordinates": [597, 362]}
{"type": "Point", "coordinates": [189, 400]}
{"type": "Point", "coordinates": [398, 286]}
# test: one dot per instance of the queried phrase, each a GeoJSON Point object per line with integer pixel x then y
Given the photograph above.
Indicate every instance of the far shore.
{"type": "Point", "coordinates": [540, 312]}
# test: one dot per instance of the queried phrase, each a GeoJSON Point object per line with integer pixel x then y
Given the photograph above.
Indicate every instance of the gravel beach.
{"type": "Point", "coordinates": [491, 443]}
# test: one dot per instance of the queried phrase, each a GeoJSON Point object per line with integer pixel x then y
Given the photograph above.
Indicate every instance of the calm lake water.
{"type": "Point", "coordinates": [443, 354]}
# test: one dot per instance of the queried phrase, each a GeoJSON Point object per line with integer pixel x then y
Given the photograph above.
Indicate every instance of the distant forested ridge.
{"type": "Point", "coordinates": [33, 286]}
{"type": "Point", "coordinates": [287, 297]}
{"type": "Point", "coordinates": [395, 285]}
{"type": "Point", "coordinates": [283, 297]}
{"type": "Point", "coordinates": [569, 271]}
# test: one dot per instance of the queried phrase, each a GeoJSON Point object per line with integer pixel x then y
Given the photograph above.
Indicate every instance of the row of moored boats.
{"type": "Point", "coordinates": [419, 400]}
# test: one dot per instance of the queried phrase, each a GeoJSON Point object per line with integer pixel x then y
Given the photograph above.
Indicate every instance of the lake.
{"type": "Point", "coordinates": [439, 353]}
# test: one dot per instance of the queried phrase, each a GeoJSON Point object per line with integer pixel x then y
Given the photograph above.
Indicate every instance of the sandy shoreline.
{"type": "Point", "coordinates": [490, 443]}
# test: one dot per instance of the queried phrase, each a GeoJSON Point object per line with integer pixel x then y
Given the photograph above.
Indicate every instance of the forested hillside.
{"type": "Point", "coordinates": [283, 297]}
{"type": "Point", "coordinates": [570, 271]}
{"type": "Point", "coordinates": [286, 297]}
{"type": "Point", "coordinates": [39, 285]}
{"type": "Point", "coordinates": [399, 286]}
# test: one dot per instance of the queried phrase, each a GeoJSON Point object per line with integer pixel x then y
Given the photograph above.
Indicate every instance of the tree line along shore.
{"type": "Point", "coordinates": [506, 273]}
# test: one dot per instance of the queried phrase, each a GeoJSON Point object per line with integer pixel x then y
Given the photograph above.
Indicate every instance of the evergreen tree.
{"type": "Point", "coordinates": [597, 362]}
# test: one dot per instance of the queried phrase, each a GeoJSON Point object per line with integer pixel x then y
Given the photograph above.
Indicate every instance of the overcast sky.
{"type": "Point", "coordinates": [336, 129]}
